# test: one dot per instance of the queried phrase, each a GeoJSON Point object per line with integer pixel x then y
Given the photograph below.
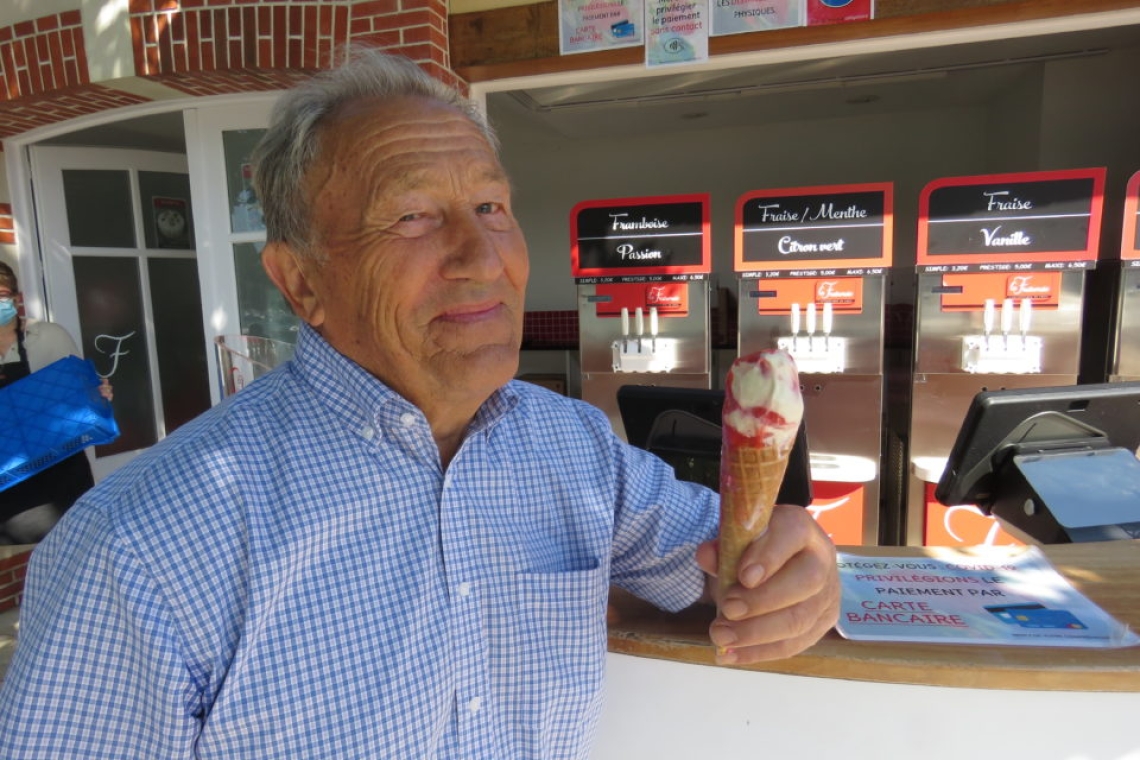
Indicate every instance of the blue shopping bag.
{"type": "Point", "coordinates": [50, 415]}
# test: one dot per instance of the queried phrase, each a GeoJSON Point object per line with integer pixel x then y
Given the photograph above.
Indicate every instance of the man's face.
{"type": "Point", "coordinates": [425, 271]}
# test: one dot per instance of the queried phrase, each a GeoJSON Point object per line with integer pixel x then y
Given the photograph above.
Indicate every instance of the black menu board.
{"type": "Point", "coordinates": [1033, 220]}
{"type": "Point", "coordinates": [664, 237]}
{"type": "Point", "coordinates": [845, 228]}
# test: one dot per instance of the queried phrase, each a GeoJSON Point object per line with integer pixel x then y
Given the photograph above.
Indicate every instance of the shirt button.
{"type": "Point", "coordinates": [408, 419]}
{"type": "Point", "coordinates": [474, 704]}
{"type": "Point", "coordinates": [368, 432]}
{"type": "Point", "coordinates": [464, 589]}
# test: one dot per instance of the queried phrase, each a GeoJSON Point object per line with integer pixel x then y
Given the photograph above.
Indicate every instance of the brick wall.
{"type": "Point", "coordinates": [207, 47]}
{"type": "Point", "coordinates": [42, 56]}
{"type": "Point", "coordinates": [13, 566]}
{"type": "Point", "coordinates": [7, 227]}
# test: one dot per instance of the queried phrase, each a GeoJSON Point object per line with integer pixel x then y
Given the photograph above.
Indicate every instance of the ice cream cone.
{"type": "Point", "coordinates": [750, 484]}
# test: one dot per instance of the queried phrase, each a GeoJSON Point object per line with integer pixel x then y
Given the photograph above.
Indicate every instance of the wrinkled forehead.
{"type": "Point", "coordinates": [379, 148]}
{"type": "Point", "coordinates": [375, 129]}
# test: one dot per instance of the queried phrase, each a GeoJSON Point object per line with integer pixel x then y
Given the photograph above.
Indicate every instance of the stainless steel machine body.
{"type": "Point", "coordinates": [942, 389]}
{"type": "Point", "coordinates": [843, 410]}
{"type": "Point", "coordinates": [1126, 350]}
{"type": "Point", "coordinates": [602, 340]}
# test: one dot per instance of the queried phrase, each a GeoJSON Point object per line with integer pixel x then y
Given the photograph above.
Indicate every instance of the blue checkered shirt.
{"type": "Point", "coordinates": [294, 575]}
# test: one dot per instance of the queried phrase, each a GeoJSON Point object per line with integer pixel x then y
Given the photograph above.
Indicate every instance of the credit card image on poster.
{"type": "Point", "coordinates": [1035, 616]}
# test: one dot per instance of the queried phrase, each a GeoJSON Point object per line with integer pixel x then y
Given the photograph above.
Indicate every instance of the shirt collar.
{"type": "Point", "coordinates": [354, 394]}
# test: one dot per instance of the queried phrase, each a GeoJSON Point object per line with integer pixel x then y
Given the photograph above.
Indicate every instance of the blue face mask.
{"type": "Point", "coordinates": [7, 310]}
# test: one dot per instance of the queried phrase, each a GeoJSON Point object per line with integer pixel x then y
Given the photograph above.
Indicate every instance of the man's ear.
{"type": "Point", "coordinates": [283, 265]}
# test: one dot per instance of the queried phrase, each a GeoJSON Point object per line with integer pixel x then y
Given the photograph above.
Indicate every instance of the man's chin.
{"type": "Point", "coordinates": [488, 365]}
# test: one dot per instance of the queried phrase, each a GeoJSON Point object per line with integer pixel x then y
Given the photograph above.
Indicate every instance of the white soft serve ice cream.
{"type": "Point", "coordinates": [764, 400]}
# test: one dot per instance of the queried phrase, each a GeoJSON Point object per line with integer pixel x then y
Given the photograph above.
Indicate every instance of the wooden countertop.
{"type": "Point", "coordinates": [1108, 573]}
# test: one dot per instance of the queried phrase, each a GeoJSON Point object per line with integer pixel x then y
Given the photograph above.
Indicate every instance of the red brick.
{"type": "Point", "coordinates": [152, 60]}
{"type": "Point", "coordinates": [56, 52]}
{"type": "Point", "coordinates": [265, 53]}
{"type": "Point", "coordinates": [74, 75]}
{"type": "Point", "coordinates": [166, 5]}
{"type": "Point", "coordinates": [383, 40]}
{"type": "Point", "coordinates": [178, 27]}
{"type": "Point", "coordinates": [249, 37]}
{"type": "Point", "coordinates": [341, 24]}
{"type": "Point", "coordinates": [14, 561]}
{"type": "Point", "coordinates": [309, 53]}
{"type": "Point", "coordinates": [280, 54]}
{"type": "Point", "coordinates": [206, 22]}
{"type": "Point", "coordinates": [24, 28]}
{"type": "Point", "coordinates": [375, 8]}
{"type": "Point", "coordinates": [19, 58]}
{"type": "Point", "coordinates": [70, 18]}
{"type": "Point", "coordinates": [409, 18]}
{"type": "Point", "coordinates": [137, 45]}
{"type": "Point", "coordinates": [46, 23]}
{"type": "Point", "coordinates": [193, 55]}
{"type": "Point", "coordinates": [165, 47]}
{"type": "Point", "coordinates": [67, 42]}
{"type": "Point", "coordinates": [221, 26]}
{"type": "Point", "coordinates": [280, 31]}
{"type": "Point", "coordinates": [325, 21]}
{"type": "Point", "coordinates": [419, 52]}
{"type": "Point", "coordinates": [82, 74]}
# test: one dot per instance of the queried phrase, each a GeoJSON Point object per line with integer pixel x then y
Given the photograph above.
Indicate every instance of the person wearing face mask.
{"type": "Point", "coordinates": [29, 509]}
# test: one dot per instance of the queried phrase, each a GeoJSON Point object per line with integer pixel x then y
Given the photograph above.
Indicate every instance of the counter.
{"type": "Point", "coordinates": [874, 700]}
{"type": "Point", "coordinates": [1108, 573]}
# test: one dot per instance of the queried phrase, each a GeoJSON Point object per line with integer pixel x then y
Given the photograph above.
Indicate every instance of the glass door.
{"type": "Point", "coordinates": [243, 306]}
{"type": "Point", "coordinates": [121, 276]}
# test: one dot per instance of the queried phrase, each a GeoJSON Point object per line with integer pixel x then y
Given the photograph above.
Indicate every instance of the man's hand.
{"type": "Point", "coordinates": [787, 594]}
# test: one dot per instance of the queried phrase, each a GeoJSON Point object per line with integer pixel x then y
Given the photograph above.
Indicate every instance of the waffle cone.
{"type": "Point", "coordinates": [750, 479]}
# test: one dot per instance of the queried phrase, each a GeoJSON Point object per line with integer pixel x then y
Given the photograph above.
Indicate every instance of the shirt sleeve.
{"type": "Point", "coordinates": [98, 670]}
{"type": "Point", "coordinates": [657, 526]}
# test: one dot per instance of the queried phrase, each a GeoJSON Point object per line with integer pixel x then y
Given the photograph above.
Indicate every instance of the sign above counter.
{"type": "Point", "coordinates": [1011, 222]}
{"type": "Point", "coordinates": [831, 230]}
{"type": "Point", "coordinates": [641, 239]}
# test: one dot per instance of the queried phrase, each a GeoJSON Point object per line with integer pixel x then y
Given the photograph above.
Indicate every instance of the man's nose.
{"type": "Point", "coordinates": [474, 251]}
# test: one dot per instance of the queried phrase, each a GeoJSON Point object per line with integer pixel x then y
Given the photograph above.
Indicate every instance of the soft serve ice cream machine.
{"type": "Point", "coordinates": [1001, 264]}
{"type": "Point", "coordinates": [1125, 360]}
{"type": "Point", "coordinates": [642, 270]}
{"type": "Point", "coordinates": [812, 263]}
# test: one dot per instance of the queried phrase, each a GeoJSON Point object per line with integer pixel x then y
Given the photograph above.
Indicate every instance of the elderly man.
{"type": "Point", "coordinates": [387, 548]}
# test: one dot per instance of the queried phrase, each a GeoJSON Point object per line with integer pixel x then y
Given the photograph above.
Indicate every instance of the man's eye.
{"type": "Point", "coordinates": [487, 208]}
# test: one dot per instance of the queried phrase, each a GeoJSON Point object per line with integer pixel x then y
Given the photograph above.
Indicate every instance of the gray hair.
{"type": "Point", "coordinates": [286, 153]}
